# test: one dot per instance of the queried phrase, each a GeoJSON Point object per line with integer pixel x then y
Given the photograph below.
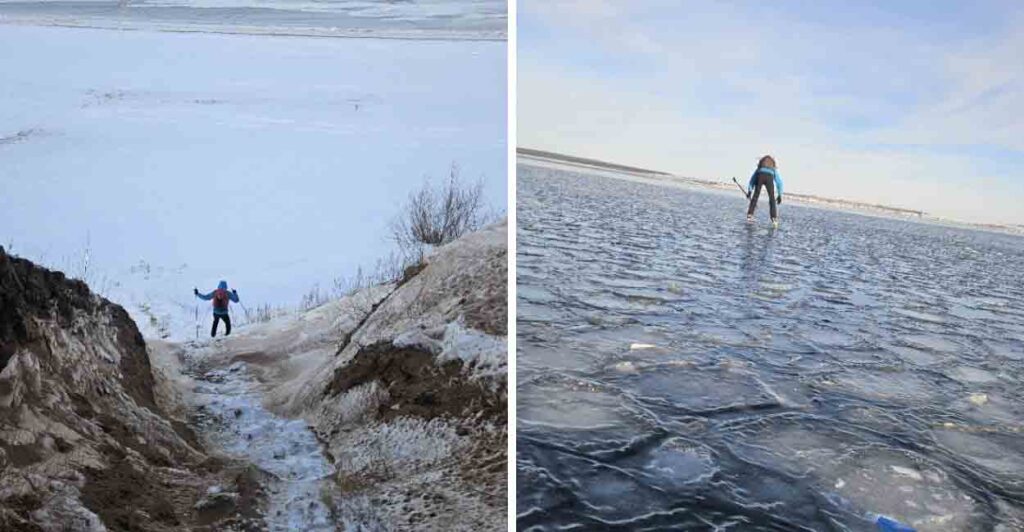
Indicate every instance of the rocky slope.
{"type": "Point", "coordinates": [83, 442]}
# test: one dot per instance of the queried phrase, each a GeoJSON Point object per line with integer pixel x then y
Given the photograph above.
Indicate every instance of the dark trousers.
{"type": "Point", "coordinates": [227, 324]}
{"type": "Point", "coordinates": [766, 180]}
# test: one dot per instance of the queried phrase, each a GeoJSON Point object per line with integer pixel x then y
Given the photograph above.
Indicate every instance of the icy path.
{"type": "Point", "coordinates": [233, 419]}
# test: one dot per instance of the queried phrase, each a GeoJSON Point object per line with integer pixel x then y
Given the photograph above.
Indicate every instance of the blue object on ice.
{"type": "Point", "coordinates": [886, 524]}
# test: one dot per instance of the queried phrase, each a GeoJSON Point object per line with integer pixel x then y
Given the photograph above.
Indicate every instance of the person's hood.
{"type": "Point", "coordinates": [223, 285]}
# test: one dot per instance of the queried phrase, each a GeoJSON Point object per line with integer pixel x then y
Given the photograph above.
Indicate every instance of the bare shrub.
{"type": "Point", "coordinates": [262, 314]}
{"type": "Point", "coordinates": [435, 216]}
{"type": "Point", "coordinates": [386, 270]}
{"type": "Point", "coordinates": [314, 298]}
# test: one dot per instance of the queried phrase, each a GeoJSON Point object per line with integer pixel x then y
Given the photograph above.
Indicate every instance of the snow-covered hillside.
{"type": "Point", "coordinates": [403, 385]}
{"type": "Point", "coordinates": [383, 410]}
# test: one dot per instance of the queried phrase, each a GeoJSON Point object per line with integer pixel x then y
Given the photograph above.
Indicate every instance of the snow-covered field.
{"type": "Point", "coordinates": [151, 162]}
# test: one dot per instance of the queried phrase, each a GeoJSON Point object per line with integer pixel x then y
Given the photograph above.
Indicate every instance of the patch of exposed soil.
{"type": "Point", "coordinates": [22, 455]}
{"type": "Point", "coordinates": [418, 385]}
{"type": "Point", "coordinates": [238, 507]}
{"type": "Point", "coordinates": [258, 358]}
{"type": "Point", "coordinates": [14, 508]}
{"type": "Point", "coordinates": [126, 498]}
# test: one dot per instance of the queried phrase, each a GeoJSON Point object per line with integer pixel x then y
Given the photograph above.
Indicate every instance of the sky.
{"type": "Point", "coordinates": [914, 104]}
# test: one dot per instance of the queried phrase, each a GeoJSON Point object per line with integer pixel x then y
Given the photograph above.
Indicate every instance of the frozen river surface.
{"type": "Point", "coordinates": [680, 368]}
{"type": "Point", "coordinates": [418, 19]}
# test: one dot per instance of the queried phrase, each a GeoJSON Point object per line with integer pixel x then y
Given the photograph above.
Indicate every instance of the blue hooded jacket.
{"type": "Point", "coordinates": [773, 172]}
{"type": "Point", "coordinates": [223, 285]}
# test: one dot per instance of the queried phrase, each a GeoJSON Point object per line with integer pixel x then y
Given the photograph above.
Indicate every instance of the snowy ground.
{"type": "Point", "coordinates": [276, 163]}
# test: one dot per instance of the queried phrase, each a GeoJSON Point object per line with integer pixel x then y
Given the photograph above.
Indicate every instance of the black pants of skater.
{"type": "Point", "coordinates": [227, 324]}
{"type": "Point", "coordinates": [766, 180]}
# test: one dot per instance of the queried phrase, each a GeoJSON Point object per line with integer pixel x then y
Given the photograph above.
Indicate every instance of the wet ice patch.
{"type": "Point", "coordinates": [920, 315]}
{"type": "Point", "coordinates": [1013, 351]}
{"type": "Point", "coordinates": [699, 390]}
{"type": "Point", "coordinates": [828, 338]}
{"type": "Point", "coordinates": [677, 464]}
{"type": "Point", "coordinates": [918, 357]}
{"type": "Point", "coordinates": [573, 405]}
{"type": "Point", "coordinates": [794, 449]}
{"type": "Point", "coordinates": [243, 428]}
{"type": "Point", "coordinates": [932, 342]}
{"type": "Point", "coordinates": [903, 386]}
{"type": "Point", "coordinates": [971, 375]}
{"type": "Point", "coordinates": [983, 450]}
{"type": "Point", "coordinates": [990, 409]}
{"type": "Point", "coordinates": [892, 483]}
{"type": "Point", "coordinates": [721, 335]}
{"type": "Point", "coordinates": [556, 357]}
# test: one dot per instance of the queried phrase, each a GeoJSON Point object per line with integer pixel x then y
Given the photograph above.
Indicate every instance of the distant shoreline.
{"type": "Point", "coordinates": [258, 31]}
{"type": "Point", "coordinates": [803, 199]}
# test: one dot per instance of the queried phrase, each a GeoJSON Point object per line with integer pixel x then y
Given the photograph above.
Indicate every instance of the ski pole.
{"type": "Point", "coordinates": [743, 190]}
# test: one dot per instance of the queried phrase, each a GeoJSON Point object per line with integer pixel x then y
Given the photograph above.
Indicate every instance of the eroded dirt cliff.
{"type": "Point", "coordinates": [83, 442]}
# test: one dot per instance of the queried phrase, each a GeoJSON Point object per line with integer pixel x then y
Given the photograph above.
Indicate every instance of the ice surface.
{"type": "Point", "coordinates": [894, 484]}
{"type": "Point", "coordinates": [808, 367]}
{"type": "Point", "coordinates": [693, 389]}
{"type": "Point", "coordinates": [677, 464]}
{"type": "Point", "coordinates": [983, 450]}
{"type": "Point", "coordinates": [435, 19]}
{"type": "Point", "coordinates": [573, 405]}
{"type": "Point", "coordinates": [886, 385]}
{"type": "Point", "coordinates": [971, 375]}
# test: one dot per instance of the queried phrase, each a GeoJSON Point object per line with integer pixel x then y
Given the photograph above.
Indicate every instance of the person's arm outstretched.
{"type": "Point", "coordinates": [204, 297]}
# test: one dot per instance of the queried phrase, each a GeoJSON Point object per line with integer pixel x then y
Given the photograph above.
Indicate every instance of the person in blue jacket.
{"type": "Point", "coordinates": [767, 176]}
{"type": "Point", "coordinates": [221, 298]}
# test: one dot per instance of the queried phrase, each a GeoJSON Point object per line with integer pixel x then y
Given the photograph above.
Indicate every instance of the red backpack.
{"type": "Point", "coordinates": [220, 298]}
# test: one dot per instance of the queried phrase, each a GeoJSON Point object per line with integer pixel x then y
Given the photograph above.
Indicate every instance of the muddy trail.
{"type": "Point", "coordinates": [229, 417]}
{"type": "Point", "coordinates": [679, 368]}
